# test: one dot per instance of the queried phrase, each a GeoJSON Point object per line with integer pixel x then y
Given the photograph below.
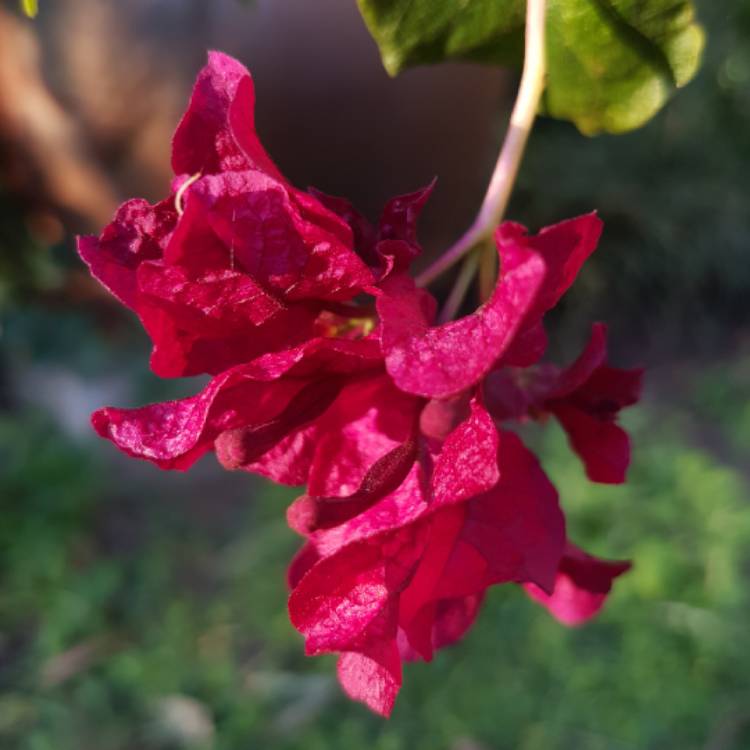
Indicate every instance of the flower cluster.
{"type": "Point", "coordinates": [328, 370]}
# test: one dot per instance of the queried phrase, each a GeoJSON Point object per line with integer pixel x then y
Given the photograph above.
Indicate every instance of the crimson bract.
{"type": "Point", "coordinates": [329, 370]}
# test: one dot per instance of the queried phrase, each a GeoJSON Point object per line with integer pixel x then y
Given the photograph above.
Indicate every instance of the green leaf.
{"type": "Point", "coordinates": [30, 7]}
{"type": "Point", "coordinates": [612, 64]}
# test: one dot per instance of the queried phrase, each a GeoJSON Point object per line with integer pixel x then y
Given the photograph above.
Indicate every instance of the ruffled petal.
{"type": "Point", "coordinates": [405, 505]}
{"type": "Point", "coordinates": [240, 448]}
{"type": "Point", "coordinates": [205, 139]}
{"type": "Point", "coordinates": [309, 513]}
{"type": "Point", "coordinates": [373, 677]}
{"type": "Point", "coordinates": [349, 601]}
{"type": "Point", "coordinates": [371, 419]}
{"type": "Point", "coordinates": [453, 618]}
{"type": "Point", "coordinates": [603, 446]}
{"type": "Point", "coordinates": [564, 248]}
{"type": "Point", "coordinates": [567, 381]}
{"type": "Point", "coordinates": [301, 563]}
{"type": "Point", "coordinates": [362, 231]}
{"type": "Point", "coordinates": [138, 233]}
{"type": "Point", "coordinates": [581, 586]}
{"type": "Point", "coordinates": [467, 464]}
{"type": "Point", "coordinates": [175, 434]}
{"type": "Point", "coordinates": [441, 361]}
{"type": "Point", "coordinates": [517, 527]}
{"type": "Point", "coordinates": [288, 462]}
{"type": "Point", "coordinates": [397, 230]}
{"type": "Point", "coordinates": [258, 220]}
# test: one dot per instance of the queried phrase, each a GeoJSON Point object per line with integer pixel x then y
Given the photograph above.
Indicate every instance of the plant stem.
{"type": "Point", "coordinates": [460, 287]}
{"type": "Point", "coordinates": [488, 267]}
{"type": "Point", "coordinates": [504, 176]}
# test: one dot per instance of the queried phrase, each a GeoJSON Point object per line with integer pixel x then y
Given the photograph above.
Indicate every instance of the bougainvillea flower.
{"type": "Point", "coordinates": [441, 361]}
{"type": "Point", "coordinates": [417, 586]}
{"type": "Point", "coordinates": [236, 262]}
{"type": "Point", "coordinates": [564, 248]}
{"type": "Point", "coordinates": [175, 434]}
{"type": "Point", "coordinates": [586, 398]}
{"type": "Point", "coordinates": [393, 244]}
{"type": "Point", "coordinates": [435, 473]}
{"type": "Point", "coordinates": [345, 451]}
{"type": "Point", "coordinates": [581, 586]}
{"type": "Point", "coordinates": [418, 497]}
{"type": "Point", "coordinates": [217, 132]}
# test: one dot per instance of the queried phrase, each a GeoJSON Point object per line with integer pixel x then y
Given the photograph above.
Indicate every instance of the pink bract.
{"type": "Point", "coordinates": [444, 360]}
{"type": "Point", "coordinates": [238, 262]}
{"type": "Point", "coordinates": [418, 585]}
{"type": "Point", "coordinates": [564, 247]}
{"type": "Point", "coordinates": [175, 434]}
{"type": "Point", "coordinates": [586, 398]}
{"type": "Point", "coordinates": [581, 586]}
{"type": "Point", "coordinates": [328, 370]}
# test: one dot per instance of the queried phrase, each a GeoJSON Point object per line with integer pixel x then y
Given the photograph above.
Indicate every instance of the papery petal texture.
{"type": "Point", "coordinates": [466, 467]}
{"type": "Point", "coordinates": [139, 232]}
{"type": "Point", "coordinates": [237, 262]}
{"type": "Point", "coordinates": [422, 583]}
{"type": "Point", "coordinates": [564, 248]}
{"type": "Point", "coordinates": [349, 601]}
{"type": "Point", "coordinates": [328, 369]}
{"type": "Point", "coordinates": [440, 361]}
{"type": "Point", "coordinates": [217, 132]}
{"type": "Point", "coordinates": [392, 245]}
{"type": "Point", "coordinates": [373, 677]}
{"type": "Point", "coordinates": [356, 452]}
{"type": "Point", "coordinates": [586, 398]}
{"type": "Point", "coordinates": [267, 236]}
{"type": "Point", "coordinates": [467, 464]}
{"type": "Point", "coordinates": [582, 585]}
{"type": "Point", "coordinates": [175, 434]}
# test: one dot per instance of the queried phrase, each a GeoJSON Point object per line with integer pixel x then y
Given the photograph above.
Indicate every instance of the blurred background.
{"type": "Point", "coordinates": [146, 610]}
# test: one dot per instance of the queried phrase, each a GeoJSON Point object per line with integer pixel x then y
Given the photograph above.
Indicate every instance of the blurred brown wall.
{"type": "Point", "coordinates": [326, 109]}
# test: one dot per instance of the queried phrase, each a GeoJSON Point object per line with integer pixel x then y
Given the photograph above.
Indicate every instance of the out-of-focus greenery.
{"type": "Point", "coordinates": [133, 620]}
{"type": "Point", "coordinates": [26, 263]}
